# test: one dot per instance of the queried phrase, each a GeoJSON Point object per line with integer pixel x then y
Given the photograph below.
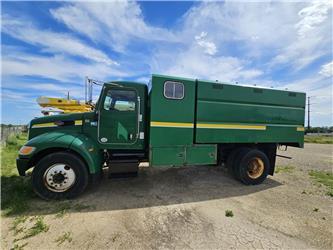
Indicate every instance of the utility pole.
{"type": "Point", "coordinates": [308, 112]}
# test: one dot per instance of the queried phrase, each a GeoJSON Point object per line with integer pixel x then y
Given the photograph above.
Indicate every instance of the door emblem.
{"type": "Point", "coordinates": [104, 139]}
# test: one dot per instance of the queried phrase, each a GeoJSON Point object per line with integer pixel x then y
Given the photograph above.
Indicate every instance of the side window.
{"type": "Point", "coordinates": [120, 100]}
{"type": "Point", "coordinates": [174, 90]}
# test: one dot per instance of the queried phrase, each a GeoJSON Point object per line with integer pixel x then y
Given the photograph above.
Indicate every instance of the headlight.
{"type": "Point", "coordinates": [26, 150]}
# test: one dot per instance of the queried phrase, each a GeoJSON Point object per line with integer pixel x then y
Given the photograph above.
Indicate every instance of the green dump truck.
{"type": "Point", "coordinates": [172, 122]}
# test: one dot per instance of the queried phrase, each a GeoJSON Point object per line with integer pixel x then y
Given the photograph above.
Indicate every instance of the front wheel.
{"type": "Point", "coordinates": [60, 175]}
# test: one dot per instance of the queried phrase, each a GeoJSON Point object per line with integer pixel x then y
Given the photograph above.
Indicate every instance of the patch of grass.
{"type": "Point", "coordinates": [80, 207]}
{"type": "Point", "coordinates": [63, 208]}
{"type": "Point", "coordinates": [324, 178]}
{"type": "Point", "coordinates": [315, 209]}
{"type": "Point", "coordinates": [38, 227]}
{"type": "Point", "coordinates": [19, 247]}
{"type": "Point", "coordinates": [16, 227]}
{"type": "Point", "coordinates": [64, 237]}
{"type": "Point", "coordinates": [16, 190]}
{"type": "Point", "coordinates": [321, 139]}
{"type": "Point", "coordinates": [284, 169]}
{"type": "Point", "coordinates": [12, 139]}
{"type": "Point", "coordinates": [229, 213]}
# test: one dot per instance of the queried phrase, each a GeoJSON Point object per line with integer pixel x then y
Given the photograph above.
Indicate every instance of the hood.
{"type": "Point", "coordinates": [65, 122]}
{"type": "Point", "coordinates": [56, 118]}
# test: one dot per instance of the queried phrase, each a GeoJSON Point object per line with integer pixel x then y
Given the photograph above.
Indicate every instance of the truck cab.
{"type": "Point", "coordinates": [179, 122]}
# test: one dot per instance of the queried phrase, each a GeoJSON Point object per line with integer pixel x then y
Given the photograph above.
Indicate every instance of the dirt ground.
{"type": "Point", "coordinates": [184, 208]}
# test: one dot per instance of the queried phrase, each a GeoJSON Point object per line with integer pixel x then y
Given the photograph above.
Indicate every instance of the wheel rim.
{"type": "Point", "coordinates": [59, 177]}
{"type": "Point", "coordinates": [255, 168]}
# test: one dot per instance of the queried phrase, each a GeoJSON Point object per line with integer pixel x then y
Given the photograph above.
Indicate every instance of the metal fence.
{"type": "Point", "coordinates": [7, 130]}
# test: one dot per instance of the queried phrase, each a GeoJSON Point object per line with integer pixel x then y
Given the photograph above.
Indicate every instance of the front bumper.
{"type": "Point", "coordinates": [22, 165]}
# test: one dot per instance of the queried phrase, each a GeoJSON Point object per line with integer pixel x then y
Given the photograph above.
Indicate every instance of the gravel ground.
{"type": "Point", "coordinates": [184, 208]}
{"type": "Point", "coordinates": [313, 156]}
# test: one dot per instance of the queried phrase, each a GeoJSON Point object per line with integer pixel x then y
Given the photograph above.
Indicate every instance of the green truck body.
{"type": "Point", "coordinates": [172, 122]}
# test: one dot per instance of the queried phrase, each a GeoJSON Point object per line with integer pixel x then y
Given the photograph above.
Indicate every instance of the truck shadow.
{"type": "Point", "coordinates": [152, 187]}
{"type": "Point", "coordinates": [159, 187]}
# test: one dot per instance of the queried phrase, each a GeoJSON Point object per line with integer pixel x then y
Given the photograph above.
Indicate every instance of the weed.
{"type": "Point", "coordinates": [16, 224]}
{"type": "Point", "coordinates": [63, 208]}
{"type": "Point", "coordinates": [229, 213]}
{"type": "Point", "coordinates": [79, 207]}
{"type": "Point", "coordinates": [64, 237]}
{"type": "Point", "coordinates": [38, 227]}
{"type": "Point", "coordinates": [284, 169]}
{"type": "Point", "coordinates": [19, 247]}
{"type": "Point", "coordinates": [315, 209]}
{"type": "Point", "coordinates": [324, 178]}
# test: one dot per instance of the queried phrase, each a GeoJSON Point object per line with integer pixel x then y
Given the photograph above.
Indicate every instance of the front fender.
{"type": "Point", "coordinates": [79, 143]}
{"type": "Point", "coordinates": [51, 140]}
{"type": "Point", "coordinates": [89, 151]}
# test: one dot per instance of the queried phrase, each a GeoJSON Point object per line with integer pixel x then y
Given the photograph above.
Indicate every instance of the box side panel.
{"type": "Point", "coordinates": [201, 154]}
{"type": "Point", "coordinates": [235, 114]}
{"type": "Point", "coordinates": [198, 154]}
{"type": "Point", "coordinates": [168, 156]}
{"type": "Point", "coordinates": [171, 121]}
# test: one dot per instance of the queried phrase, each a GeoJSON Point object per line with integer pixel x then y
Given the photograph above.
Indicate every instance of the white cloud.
{"type": "Point", "coordinates": [312, 36]}
{"type": "Point", "coordinates": [56, 67]}
{"type": "Point", "coordinates": [209, 47]}
{"type": "Point", "coordinates": [51, 41]}
{"type": "Point", "coordinates": [196, 64]}
{"type": "Point", "coordinates": [327, 69]}
{"type": "Point", "coordinates": [289, 33]}
{"type": "Point", "coordinates": [114, 24]}
{"type": "Point", "coordinates": [312, 16]}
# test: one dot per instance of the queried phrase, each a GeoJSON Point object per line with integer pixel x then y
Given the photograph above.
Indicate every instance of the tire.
{"type": "Point", "coordinates": [232, 161]}
{"type": "Point", "coordinates": [60, 175]}
{"type": "Point", "coordinates": [251, 166]}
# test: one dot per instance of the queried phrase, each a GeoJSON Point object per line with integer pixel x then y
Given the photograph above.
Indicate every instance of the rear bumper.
{"type": "Point", "coordinates": [22, 165]}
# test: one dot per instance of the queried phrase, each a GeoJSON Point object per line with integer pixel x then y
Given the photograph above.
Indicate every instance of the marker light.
{"type": "Point", "coordinates": [26, 150]}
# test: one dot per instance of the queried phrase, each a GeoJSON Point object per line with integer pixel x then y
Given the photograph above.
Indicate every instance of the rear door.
{"type": "Point", "coordinates": [118, 117]}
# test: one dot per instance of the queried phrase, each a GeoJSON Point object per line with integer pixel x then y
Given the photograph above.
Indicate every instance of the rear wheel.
{"type": "Point", "coordinates": [252, 166]}
{"type": "Point", "coordinates": [232, 161]}
{"type": "Point", "coordinates": [59, 176]}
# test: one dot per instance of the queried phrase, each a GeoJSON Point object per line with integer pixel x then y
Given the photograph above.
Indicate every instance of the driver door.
{"type": "Point", "coordinates": [118, 118]}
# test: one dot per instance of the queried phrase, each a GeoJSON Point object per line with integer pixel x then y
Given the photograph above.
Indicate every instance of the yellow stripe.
{"type": "Point", "coordinates": [300, 128]}
{"type": "Point", "coordinates": [172, 124]}
{"type": "Point", "coordinates": [231, 126]}
{"type": "Point", "coordinates": [43, 125]}
{"type": "Point", "coordinates": [52, 124]}
{"type": "Point", "coordinates": [78, 122]}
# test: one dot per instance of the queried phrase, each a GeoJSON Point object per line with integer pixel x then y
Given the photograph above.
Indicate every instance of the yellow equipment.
{"type": "Point", "coordinates": [62, 105]}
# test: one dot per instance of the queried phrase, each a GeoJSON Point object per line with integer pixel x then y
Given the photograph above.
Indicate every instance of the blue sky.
{"type": "Point", "coordinates": [49, 47]}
